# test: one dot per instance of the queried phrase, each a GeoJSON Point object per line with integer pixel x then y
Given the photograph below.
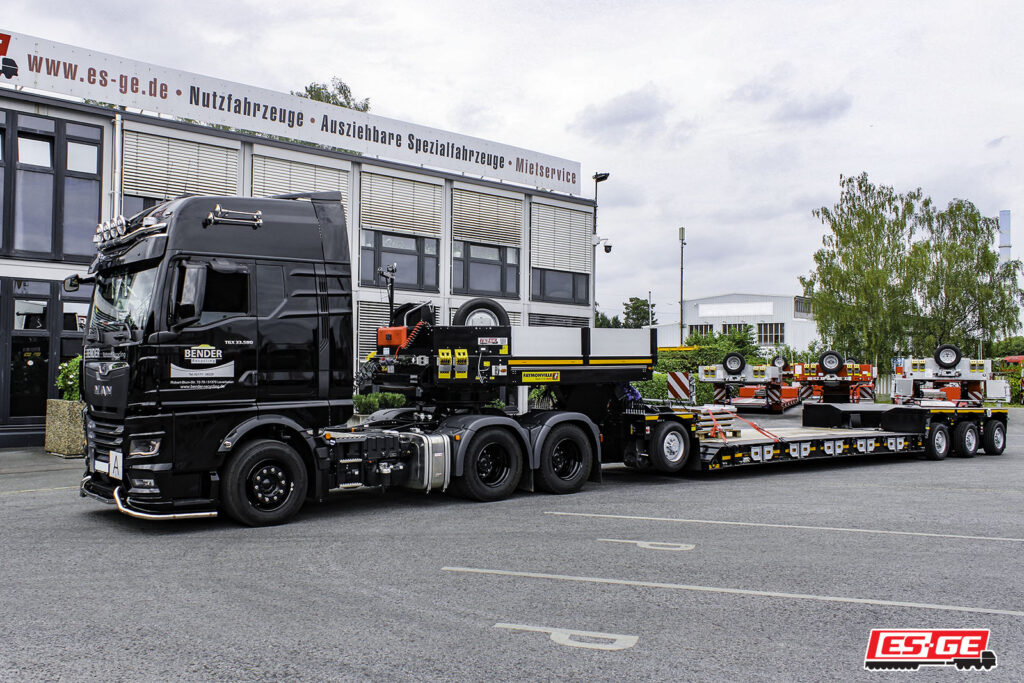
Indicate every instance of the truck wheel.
{"type": "Point", "coordinates": [482, 312]}
{"type": "Point", "coordinates": [493, 465]}
{"type": "Point", "coordinates": [965, 439]}
{"type": "Point", "coordinates": [830, 362]}
{"type": "Point", "coordinates": [264, 483]}
{"type": "Point", "coordinates": [994, 437]}
{"type": "Point", "coordinates": [938, 444]}
{"type": "Point", "coordinates": [670, 448]}
{"type": "Point", "coordinates": [947, 356]}
{"type": "Point", "coordinates": [565, 460]}
{"type": "Point", "coordinates": [734, 363]}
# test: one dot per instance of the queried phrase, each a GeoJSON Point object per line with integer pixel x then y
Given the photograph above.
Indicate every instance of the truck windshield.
{"type": "Point", "coordinates": [121, 300]}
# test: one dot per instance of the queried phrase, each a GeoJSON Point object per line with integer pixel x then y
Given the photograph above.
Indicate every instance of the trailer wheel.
{"type": "Point", "coordinates": [481, 312]}
{"type": "Point", "coordinates": [948, 356]}
{"type": "Point", "coordinates": [966, 439]}
{"type": "Point", "coordinates": [938, 445]}
{"type": "Point", "coordinates": [670, 448]}
{"type": "Point", "coordinates": [734, 363]}
{"type": "Point", "coordinates": [565, 460]}
{"type": "Point", "coordinates": [493, 465]}
{"type": "Point", "coordinates": [264, 483]}
{"type": "Point", "coordinates": [830, 362]}
{"type": "Point", "coordinates": [780, 362]}
{"type": "Point", "coordinates": [993, 437]}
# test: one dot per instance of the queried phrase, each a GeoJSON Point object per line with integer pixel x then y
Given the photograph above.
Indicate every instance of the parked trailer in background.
{"type": "Point", "coordinates": [948, 379]}
{"type": "Point", "coordinates": [831, 380]}
{"type": "Point", "coordinates": [753, 388]}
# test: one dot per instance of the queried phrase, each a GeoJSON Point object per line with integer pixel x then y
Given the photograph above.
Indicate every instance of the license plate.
{"type": "Point", "coordinates": [115, 465]}
{"type": "Point", "coordinates": [99, 466]}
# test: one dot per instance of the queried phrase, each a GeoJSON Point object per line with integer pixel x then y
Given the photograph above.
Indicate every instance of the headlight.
{"type": "Point", "coordinates": [144, 446]}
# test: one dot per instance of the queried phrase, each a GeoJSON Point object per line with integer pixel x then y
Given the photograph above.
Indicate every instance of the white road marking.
{"type": "Point", "coordinates": [57, 488]}
{"type": "Point", "coordinates": [733, 591]}
{"type": "Point", "coordinates": [788, 526]}
{"type": "Point", "coordinates": [565, 636]}
{"type": "Point", "coordinates": [652, 545]}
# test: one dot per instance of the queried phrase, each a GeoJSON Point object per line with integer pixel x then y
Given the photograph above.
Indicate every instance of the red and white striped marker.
{"type": "Point", "coordinates": [680, 386]}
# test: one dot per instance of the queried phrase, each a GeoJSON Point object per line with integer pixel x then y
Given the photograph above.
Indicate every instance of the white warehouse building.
{"type": "Point", "coordinates": [774, 319]}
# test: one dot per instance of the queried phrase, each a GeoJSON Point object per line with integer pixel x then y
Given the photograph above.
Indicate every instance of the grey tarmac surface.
{"type": "Point", "coordinates": [362, 588]}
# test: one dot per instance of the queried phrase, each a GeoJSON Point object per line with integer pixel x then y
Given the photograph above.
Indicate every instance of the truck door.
{"type": "Point", "coordinates": [211, 362]}
{"type": "Point", "coordinates": [289, 334]}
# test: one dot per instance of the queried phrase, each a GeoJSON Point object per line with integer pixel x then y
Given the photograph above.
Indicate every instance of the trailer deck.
{"type": "Point", "coordinates": [837, 430]}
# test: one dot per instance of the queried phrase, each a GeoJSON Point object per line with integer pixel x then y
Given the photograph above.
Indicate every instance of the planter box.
{"type": "Point", "coordinates": [64, 431]}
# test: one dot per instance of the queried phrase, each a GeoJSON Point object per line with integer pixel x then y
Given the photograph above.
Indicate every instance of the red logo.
{"type": "Point", "coordinates": [5, 42]}
{"type": "Point", "coordinates": [910, 649]}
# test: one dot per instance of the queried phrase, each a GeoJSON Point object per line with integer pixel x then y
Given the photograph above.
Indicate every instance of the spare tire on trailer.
{"type": "Point", "coordinates": [830, 361]}
{"type": "Point", "coordinates": [780, 362]}
{"type": "Point", "coordinates": [481, 312]}
{"type": "Point", "coordinates": [948, 356]}
{"type": "Point", "coordinates": [734, 363]}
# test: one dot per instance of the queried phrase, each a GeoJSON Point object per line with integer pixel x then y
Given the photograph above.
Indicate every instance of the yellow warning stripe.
{"type": "Point", "coordinates": [621, 361]}
{"type": "Point", "coordinates": [564, 361]}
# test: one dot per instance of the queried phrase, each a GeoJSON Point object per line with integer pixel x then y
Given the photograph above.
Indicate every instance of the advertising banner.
{"type": "Point", "coordinates": [77, 72]}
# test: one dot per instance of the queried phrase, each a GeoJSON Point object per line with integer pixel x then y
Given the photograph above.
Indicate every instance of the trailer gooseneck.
{"type": "Point", "coordinates": [218, 378]}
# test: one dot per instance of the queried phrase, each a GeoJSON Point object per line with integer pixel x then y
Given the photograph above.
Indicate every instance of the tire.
{"type": "Point", "coordinates": [670, 448]}
{"type": "Point", "coordinates": [780, 362]}
{"type": "Point", "coordinates": [482, 312]}
{"type": "Point", "coordinates": [831, 362]}
{"type": "Point", "coordinates": [264, 483]}
{"type": "Point", "coordinates": [565, 460]}
{"type": "Point", "coordinates": [947, 356]}
{"type": "Point", "coordinates": [419, 312]}
{"type": "Point", "coordinates": [734, 363]}
{"type": "Point", "coordinates": [966, 439]}
{"type": "Point", "coordinates": [938, 442]}
{"type": "Point", "coordinates": [492, 467]}
{"type": "Point", "coordinates": [993, 437]}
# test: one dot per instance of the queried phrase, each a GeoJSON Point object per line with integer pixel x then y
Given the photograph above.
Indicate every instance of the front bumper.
{"type": "Point", "coordinates": [110, 493]}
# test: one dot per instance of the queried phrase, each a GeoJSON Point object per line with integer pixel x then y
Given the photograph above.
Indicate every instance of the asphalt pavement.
{"type": "Point", "coordinates": [774, 572]}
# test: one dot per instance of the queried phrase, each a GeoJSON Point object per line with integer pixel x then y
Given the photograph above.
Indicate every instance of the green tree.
{"type": "Point", "coordinates": [862, 284]}
{"type": "Point", "coordinates": [602, 320]}
{"type": "Point", "coordinates": [337, 93]}
{"type": "Point", "coordinates": [638, 313]}
{"type": "Point", "coordinates": [964, 293]}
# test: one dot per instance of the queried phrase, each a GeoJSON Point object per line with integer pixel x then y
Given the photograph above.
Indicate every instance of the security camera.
{"type": "Point", "coordinates": [607, 247]}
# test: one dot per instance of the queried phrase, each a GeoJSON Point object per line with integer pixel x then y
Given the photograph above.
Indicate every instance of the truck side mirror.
{"type": "Point", "coordinates": [193, 289]}
{"type": "Point", "coordinates": [73, 282]}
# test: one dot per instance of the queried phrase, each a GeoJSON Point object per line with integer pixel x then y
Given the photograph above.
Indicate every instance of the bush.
{"type": "Point", "coordinates": [68, 380]}
{"type": "Point", "coordinates": [366, 404]}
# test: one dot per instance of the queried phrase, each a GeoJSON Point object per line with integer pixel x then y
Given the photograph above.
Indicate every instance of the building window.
{"type": "Point", "coordinates": [701, 330]}
{"type": "Point", "coordinates": [485, 270]}
{"type": "Point", "coordinates": [771, 334]}
{"type": "Point", "coordinates": [56, 188]}
{"type": "Point", "coordinates": [132, 204]}
{"type": "Point", "coordinates": [558, 286]}
{"type": "Point", "coordinates": [733, 327]}
{"type": "Point", "coordinates": [802, 307]}
{"type": "Point", "coordinates": [415, 256]}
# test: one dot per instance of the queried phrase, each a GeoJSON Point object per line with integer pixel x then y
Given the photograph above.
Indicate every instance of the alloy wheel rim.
{"type": "Point", "coordinates": [672, 447]}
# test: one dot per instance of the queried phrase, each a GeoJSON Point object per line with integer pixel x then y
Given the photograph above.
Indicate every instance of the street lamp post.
{"type": "Point", "coordinates": [682, 306]}
{"type": "Point", "coordinates": [599, 177]}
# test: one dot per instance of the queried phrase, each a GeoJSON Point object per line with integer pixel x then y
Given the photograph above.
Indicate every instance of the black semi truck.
{"type": "Point", "coordinates": [218, 377]}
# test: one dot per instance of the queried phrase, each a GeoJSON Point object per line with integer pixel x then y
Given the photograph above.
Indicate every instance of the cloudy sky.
{"type": "Point", "coordinates": [734, 119]}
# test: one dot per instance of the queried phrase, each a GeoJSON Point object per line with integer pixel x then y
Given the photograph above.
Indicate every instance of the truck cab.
{"type": "Point", "coordinates": [215, 321]}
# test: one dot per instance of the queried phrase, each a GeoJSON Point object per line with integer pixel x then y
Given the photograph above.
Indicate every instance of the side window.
{"type": "Point", "coordinates": [226, 296]}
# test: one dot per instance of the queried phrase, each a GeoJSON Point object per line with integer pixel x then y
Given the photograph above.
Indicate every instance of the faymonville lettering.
{"type": "Point", "coordinates": [211, 99]}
